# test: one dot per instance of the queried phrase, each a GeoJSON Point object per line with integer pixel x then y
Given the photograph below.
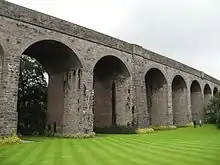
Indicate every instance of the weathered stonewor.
{"type": "Point", "coordinates": [95, 80]}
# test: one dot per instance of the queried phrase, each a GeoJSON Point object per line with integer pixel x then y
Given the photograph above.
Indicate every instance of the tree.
{"type": "Point", "coordinates": [32, 96]}
{"type": "Point", "coordinates": [213, 111]}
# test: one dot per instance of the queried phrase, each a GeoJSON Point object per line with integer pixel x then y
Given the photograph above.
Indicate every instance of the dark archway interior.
{"type": "Point", "coordinates": [157, 98]}
{"type": "Point", "coordinates": [196, 101]}
{"type": "Point", "coordinates": [53, 55]}
{"type": "Point", "coordinates": [109, 79]}
{"type": "Point", "coordinates": [207, 95]}
{"type": "Point", "coordinates": [58, 60]}
{"type": "Point", "coordinates": [179, 101]}
{"type": "Point", "coordinates": [215, 91]}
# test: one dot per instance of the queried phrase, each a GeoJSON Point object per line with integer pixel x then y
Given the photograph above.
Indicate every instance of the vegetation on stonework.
{"type": "Point", "coordinates": [32, 97]}
{"type": "Point", "coordinates": [212, 112]}
{"type": "Point", "coordinates": [12, 139]}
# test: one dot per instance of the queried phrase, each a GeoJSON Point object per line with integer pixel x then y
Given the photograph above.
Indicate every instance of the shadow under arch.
{"type": "Point", "coordinates": [111, 80]}
{"type": "Point", "coordinates": [53, 53]}
{"type": "Point", "coordinates": [196, 101]}
{"type": "Point", "coordinates": [179, 100]}
{"type": "Point", "coordinates": [215, 91]}
{"type": "Point", "coordinates": [157, 96]}
{"type": "Point", "coordinates": [207, 95]}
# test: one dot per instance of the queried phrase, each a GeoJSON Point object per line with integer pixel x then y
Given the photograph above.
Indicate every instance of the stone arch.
{"type": "Point", "coordinates": [157, 96]}
{"type": "Point", "coordinates": [207, 94]}
{"type": "Point", "coordinates": [179, 100]}
{"type": "Point", "coordinates": [69, 45]}
{"type": "Point", "coordinates": [54, 50]}
{"type": "Point", "coordinates": [215, 91]}
{"type": "Point", "coordinates": [111, 85]}
{"type": "Point", "coordinates": [64, 69]}
{"type": "Point", "coordinates": [196, 101]}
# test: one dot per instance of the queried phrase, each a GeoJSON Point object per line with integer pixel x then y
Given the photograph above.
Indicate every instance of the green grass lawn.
{"type": "Point", "coordinates": [185, 146]}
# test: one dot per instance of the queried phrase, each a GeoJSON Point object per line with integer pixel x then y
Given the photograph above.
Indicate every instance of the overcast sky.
{"type": "Point", "coordinates": [185, 30]}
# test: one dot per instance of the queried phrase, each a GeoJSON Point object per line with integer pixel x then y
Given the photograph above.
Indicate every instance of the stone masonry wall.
{"type": "Point", "coordinates": [21, 27]}
{"type": "Point", "coordinates": [29, 16]}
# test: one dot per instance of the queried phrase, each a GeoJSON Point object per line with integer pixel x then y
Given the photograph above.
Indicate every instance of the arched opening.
{"type": "Point", "coordinates": [157, 96]}
{"type": "Point", "coordinates": [61, 64]}
{"type": "Point", "coordinates": [196, 101]}
{"type": "Point", "coordinates": [215, 91]}
{"type": "Point", "coordinates": [179, 101]}
{"type": "Point", "coordinates": [207, 95]}
{"type": "Point", "coordinates": [111, 86]}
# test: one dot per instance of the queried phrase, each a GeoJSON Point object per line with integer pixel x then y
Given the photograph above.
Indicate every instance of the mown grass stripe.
{"type": "Point", "coordinates": [58, 149]}
{"type": "Point", "coordinates": [17, 155]}
{"type": "Point", "coordinates": [186, 146]}
{"type": "Point", "coordinates": [117, 156]}
{"type": "Point", "coordinates": [164, 151]}
{"type": "Point", "coordinates": [88, 155]}
{"type": "Point", "coordinates": [33, 155]}
{"type": "Point", "coordinates": [47, 155]}
{"type": "Point", "coordinates": [76, 150]}
{"type": "Point", "coordinates": [98, 151]}
{"type": "Point", "coordinates": [177, 146]}
{"type": "Point", "coordinates": [131, 153]}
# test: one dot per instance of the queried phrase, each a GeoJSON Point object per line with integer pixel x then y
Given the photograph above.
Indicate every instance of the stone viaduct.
{"type": "Point", "coordinates": [95, 80]}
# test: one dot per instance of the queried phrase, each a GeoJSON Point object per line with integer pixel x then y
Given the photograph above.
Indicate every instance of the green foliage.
{"type": "Point", "coordinates": [144, 130]}
{"type": "Point", "coordinates": [132, 130]}
{"type": "Point", "coordinates": [185, 125]}
{"type": "Point", "coordinates": [76, 136]}
{"type": "Point", "coordinates": [213, 111]}
{"type": "Point", "coordinates": [48, 132]}
{"type": "Point", "coordinates": [190, 124]}
{"type": "Point", "coordinates": [32, 97]}
{"type": "Point", "coordinates": [116, 130]}
{"type": "Point", "coordinates": [210, 114]}
{"type": "Point", "coordinates": [163, 127]}
{"type": "Point", "coordinates": [13, 139]}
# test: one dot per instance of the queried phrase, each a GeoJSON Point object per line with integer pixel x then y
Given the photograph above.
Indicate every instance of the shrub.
{"type": "Point", "coordinates": [210, 115]}
{"type": "Point", "coordinates": [190, 124]}
{"type": "Point", "coordinates": [116, 130]}
{"type": "Point", "coordinates": [144, 130]}
{"type": "Point", "coordinates": [213, 111]}
{"type": "Point", "coordinates": [163, 127]}
{"type": "Point", "coordinates": [76, 136]}
{"type": "Point", "coordinates": [185, 125]}
{"type": "Point", "coordinates": [13, 139]}
{"type": "Point", "coordinates": [48, 132]}
{"type": "Point", "coordinates": [132, 130]}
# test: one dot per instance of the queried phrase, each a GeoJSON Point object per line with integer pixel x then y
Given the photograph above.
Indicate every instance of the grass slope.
{"type": "Point", "coordinates": [186, 146]}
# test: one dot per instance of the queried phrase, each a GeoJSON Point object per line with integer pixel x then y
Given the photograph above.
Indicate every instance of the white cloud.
{"type": "Point", "coordinates": [185, 30]}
